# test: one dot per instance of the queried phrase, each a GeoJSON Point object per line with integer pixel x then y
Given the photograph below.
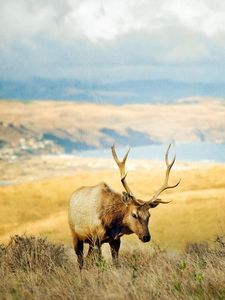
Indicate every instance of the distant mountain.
{"type": "Point", "coordinates": [121, 92]}
{"type": "Point", "coordinates": [51, 127]}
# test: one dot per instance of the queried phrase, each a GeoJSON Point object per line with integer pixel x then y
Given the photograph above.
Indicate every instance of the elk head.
{"type": "Point", "coordinates": [137, 214]}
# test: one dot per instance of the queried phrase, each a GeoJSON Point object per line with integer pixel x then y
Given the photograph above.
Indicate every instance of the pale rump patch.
{"type": "Point", "coordinates": [83, 219]}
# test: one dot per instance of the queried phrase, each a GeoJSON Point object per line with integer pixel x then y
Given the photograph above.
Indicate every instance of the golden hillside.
{"type": "Point", "coordinates": [74, 125]}
{"type": "Point", "coordinates": [197, 212]}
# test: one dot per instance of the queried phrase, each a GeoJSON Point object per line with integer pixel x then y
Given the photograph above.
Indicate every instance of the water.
{"type": "Point", "coordinates": [204, 152]}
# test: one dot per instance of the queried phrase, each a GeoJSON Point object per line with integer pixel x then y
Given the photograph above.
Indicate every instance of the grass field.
{"type": "Point", "coordinates": [197, 212]}
{"type": "Point", "coordinates": [181, 262]}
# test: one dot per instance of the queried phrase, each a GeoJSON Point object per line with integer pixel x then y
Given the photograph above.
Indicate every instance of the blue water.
{"type": "Point", "coordinates": [185, 152]}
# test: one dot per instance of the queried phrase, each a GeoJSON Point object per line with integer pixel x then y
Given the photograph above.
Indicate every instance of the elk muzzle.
{"type": "Point", "coordinates": [146, 238]}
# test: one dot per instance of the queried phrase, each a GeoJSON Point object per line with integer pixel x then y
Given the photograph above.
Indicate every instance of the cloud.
{"type": "Point", "coordinates": [106, 19]}
{"type": "Point", "coordinates": [75, 37]}
{"type": "Point", "coordinates": [205, 16]}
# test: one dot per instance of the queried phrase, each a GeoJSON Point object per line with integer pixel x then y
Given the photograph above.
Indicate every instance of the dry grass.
{"type": "Point", "coordinates": [29, 254]}
{"type": "Point", "coordinates": [197, 273]}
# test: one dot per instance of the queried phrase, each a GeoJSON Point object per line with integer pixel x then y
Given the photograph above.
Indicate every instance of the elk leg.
{"type": "Point", "coordinates": [98, 246]}
{"type": "Point", "coordinates": [99, 252]}
{"type": "Point", "coordinates": [95, 249]}
{"type": "Point", "coordinates": [115, 246]}
{"type": "Point", "coordinates": [78, 248]}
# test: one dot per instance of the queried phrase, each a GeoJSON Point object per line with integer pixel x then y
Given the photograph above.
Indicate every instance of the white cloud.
{"type": "Point", "coordinates": [45, 37]}
{"type": "Point", "coordinates": [107, 19]}
{"type": "Point", "coordinates": [204, 16]}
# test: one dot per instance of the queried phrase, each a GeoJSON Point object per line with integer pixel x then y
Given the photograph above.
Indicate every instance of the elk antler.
{"type": "Point", "coordinates": [121, 165]}
{"type": "Point", "coordinates": [165, 186]}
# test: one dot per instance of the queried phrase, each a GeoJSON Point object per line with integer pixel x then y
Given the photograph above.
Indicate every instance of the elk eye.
{"type": "Point", "coordinates": [134, 215]}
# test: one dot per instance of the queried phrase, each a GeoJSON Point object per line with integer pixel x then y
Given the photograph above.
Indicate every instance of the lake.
{"type": "Point", "coordinates": [205, 152]}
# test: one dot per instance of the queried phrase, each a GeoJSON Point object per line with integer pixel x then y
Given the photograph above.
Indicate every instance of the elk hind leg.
{"type": "Point", "coordinates": [95, 249]}
{"type": "Point", "coordinates": [78, 248]}
{"type": "Point", "coordinates": [98, 246]}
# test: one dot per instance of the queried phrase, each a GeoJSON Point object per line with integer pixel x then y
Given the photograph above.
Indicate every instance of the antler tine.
{"type": "Point", "coordinates": [169, 165]}
{"type": "Point", "coordinates": [165, 185]}
{"type": "Point", "coordinates": [167, 154]}
{"type": "Point", "coordinates": [121, 165]}
{"type": "Point", "coordinates": [125, 156]}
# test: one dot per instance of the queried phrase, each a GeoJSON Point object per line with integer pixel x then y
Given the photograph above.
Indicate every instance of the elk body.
{"type": "Point", "coordinates": [98, 215]}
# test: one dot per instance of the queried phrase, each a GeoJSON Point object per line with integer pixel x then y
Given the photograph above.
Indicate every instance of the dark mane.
{"type": "Point", "coordinates": [112, 211]}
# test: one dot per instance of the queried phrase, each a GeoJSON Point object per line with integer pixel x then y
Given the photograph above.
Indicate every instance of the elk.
{"type": "Point", "coordinates": [98, 215]}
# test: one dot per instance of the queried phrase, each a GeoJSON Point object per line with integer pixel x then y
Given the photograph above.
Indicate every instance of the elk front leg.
{"type": "Point", "coordinates": [115, 246]}
{"type": "Point", "coordinates": [78, 246]}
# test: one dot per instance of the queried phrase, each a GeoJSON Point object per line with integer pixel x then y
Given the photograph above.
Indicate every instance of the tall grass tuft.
{"type": "Point", "coordinates": [31, 253]}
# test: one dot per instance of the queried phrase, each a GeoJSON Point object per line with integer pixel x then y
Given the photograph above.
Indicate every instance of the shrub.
{"type": "Point", "coordinates": [29, 253]}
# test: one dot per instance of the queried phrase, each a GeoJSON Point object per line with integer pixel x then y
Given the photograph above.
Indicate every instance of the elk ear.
{"type": "Point", "coordinates": [153, 205]}
{"type": "Point", "coordinates": [157, 202]}
{"type": "Point", "coordinates": [127, 198]}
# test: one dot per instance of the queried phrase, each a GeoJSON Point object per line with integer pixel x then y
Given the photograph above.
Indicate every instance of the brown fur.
{"type": "Point", "coordinates": [111, 206]}
{"type": "Point", "coordinates": [115, 211]}
{"type": "Point", "coordinates": [112, 213]}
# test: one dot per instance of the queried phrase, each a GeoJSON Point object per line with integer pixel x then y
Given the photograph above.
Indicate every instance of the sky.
{"type": "Point", "coordinates": [113, 40]}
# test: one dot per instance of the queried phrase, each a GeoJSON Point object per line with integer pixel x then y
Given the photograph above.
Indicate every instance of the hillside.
{"type": "Point", "coordinates": [40, 207]}
{"type": "Point", "coordinates": [37, 127]}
